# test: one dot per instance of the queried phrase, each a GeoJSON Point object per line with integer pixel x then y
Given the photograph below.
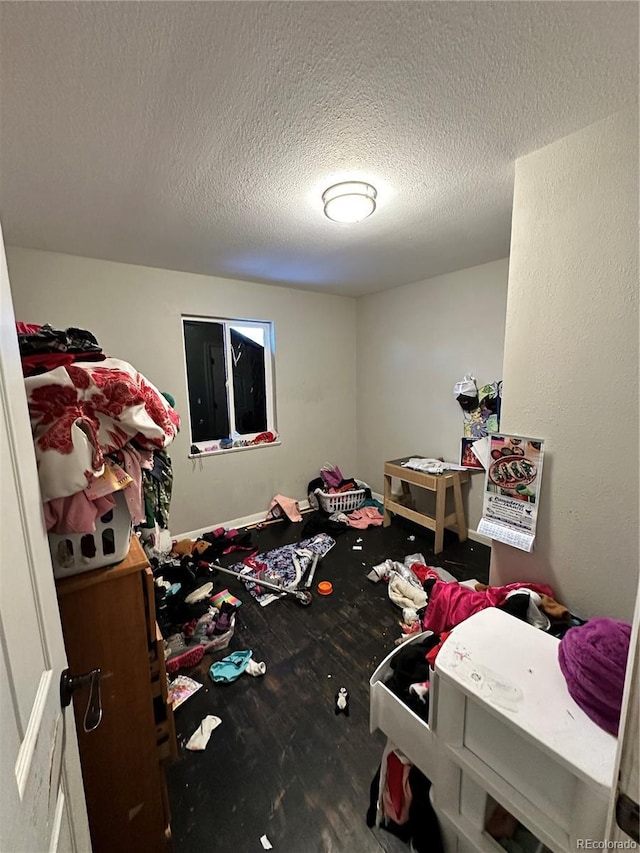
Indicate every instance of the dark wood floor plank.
{"type": "Point", "coordinates": [282, 763]}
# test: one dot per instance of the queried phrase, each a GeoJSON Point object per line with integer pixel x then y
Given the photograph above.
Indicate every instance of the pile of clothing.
{"type": "Point", "coordinates": [399, 803]}
{"type": "Point", "coordinates": [432, 600]}
{"type": "Point", "coordinates": [193, 619]}
{"type": "Point", "coordinates": [368, 513]}
{"type": "Point", "coordinates": [97, 425]}
{"type": "Point", "coordinates": [44, 348]}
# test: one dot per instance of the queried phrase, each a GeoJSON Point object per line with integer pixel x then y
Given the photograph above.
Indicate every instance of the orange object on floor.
{"type": "Point", "coordinates": [325, 588]}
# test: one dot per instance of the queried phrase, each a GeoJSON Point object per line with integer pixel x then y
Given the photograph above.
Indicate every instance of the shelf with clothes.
{"type": "Point", "coordinates": [97, 423]}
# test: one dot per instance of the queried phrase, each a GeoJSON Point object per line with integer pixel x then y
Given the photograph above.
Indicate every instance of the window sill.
{"type": "Point", "coordinates": [234, 449]}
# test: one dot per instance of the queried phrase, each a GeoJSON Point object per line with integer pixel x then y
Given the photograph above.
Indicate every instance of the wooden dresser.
{"type": "Point", "coordinates": [108, 620]}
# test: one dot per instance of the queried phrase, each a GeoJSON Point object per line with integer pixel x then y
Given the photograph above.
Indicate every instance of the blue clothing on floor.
{"type": "Point", "coordinates": [231, 667]}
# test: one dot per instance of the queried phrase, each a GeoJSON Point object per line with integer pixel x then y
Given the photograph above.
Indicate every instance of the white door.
{"type": "Point", "coordinates": [42, 805]}
{"type": "Point", "coordinates": [623, 808]}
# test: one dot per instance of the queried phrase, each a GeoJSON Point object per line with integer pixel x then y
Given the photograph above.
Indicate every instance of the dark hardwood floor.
{"type": "Point", "coordinates": [282, 763]}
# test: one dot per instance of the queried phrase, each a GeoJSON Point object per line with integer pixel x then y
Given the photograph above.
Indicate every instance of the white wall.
{"type": "Point", "coordinates": [135, 314]}
{"type": "Point", "coordinates": [414, 343]}
{"type": "Point", "coordinates": [571, 362]}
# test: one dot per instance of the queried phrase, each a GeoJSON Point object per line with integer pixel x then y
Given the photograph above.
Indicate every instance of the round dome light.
{"type": "Point", "coordinates": [350, 201]}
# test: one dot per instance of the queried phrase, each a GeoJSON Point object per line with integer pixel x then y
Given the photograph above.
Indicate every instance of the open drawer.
{"type": "Point", "coordinates": [405, 729]}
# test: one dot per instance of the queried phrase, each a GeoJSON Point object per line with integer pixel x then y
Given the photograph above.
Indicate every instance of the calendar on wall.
{"type": "Point", "coordinates": [512, 489]}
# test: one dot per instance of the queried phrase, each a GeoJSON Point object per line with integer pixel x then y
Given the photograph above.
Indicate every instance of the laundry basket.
{"type": "Point", "coordinates": [341, 501]}
{"type": "Point", "coordinates": [73, 553]}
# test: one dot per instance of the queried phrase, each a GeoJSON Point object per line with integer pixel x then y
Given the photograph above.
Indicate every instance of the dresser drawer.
{"type": "Point", "coordinates": [406, 730]}
{"type": "Point", "coordinates": [546, 784]}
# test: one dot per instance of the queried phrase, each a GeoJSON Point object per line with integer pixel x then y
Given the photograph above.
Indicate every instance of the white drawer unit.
{"type": "Point", "coordinates": [405, 729]}
{"type": "Point", "coordinates": [503, 729]}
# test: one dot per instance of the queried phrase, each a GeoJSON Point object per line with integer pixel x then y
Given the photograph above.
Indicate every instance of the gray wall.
{"type": "Point", "coordinates": [135, 314]}
{"type": "Point", "coordinates": [571, 362]}
{"type": "Point", "coordinates": [414, 343]}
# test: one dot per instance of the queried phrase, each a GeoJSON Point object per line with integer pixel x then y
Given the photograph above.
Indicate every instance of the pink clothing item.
{"type": "Point", "coordinates": [449, 603]}
{"type": "Point", "coordinates": [368, 516]}
{"type": "Point", "coordinates": [396, 795]}
{"type": "Point", "coordinates": [282, 505]}
{"type": "Point", "coordinates": [27, 328]}
{"type": "Point", "coordinates": [133, 492]}
{"type": "Point", "coordinates": [76, 513]}
{"type": "Point", "coordinates": [332, 476]}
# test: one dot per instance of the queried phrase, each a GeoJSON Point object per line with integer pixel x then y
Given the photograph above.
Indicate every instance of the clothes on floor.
{"type": "Point", "coordinates": [367, 516]}
{"type": "Point", "coordinates": [200, 738]}
{"type": "Point", "coordinates": [547, 603]}
{"type": "Point", "coordinates": [321, 522]}
{"type": "Point", "coordinates": [279, 562]}
{"type": "Point", "coordinates": [281, 506]}
{"type": "Point", "coordinates": [420, 826]}
{"type": "Point", "coordinates": [222, 541]}
{"type": "Point", "coordinates": [405, 594]}
{"type": "Point", "coordinates": [413, 569]}
{"type": "Point", "coordinates": [450, 603]}
{"type": "Point", "coordinates": [234, 665]}
{"type": "Point", "coordinates": [533, 614]}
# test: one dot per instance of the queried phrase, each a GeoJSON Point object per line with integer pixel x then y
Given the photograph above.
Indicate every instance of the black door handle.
{"type": "Point", "coordinates": [70, 683]}
{"type": "Point", "coordinates": [628, 816]}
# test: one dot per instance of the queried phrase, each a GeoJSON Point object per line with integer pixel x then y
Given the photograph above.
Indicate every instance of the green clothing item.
{"type": "Point", "coordinates": [157, 485]}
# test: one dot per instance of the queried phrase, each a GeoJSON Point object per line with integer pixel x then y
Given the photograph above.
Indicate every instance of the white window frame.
{"type": "Point", "coordinates": [212, 446]}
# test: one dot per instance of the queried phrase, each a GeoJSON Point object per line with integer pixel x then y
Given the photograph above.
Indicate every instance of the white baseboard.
{"type": "Point", "coordinates": [233, 524]}
{"type": "Point", "coordinates": [479, 537]}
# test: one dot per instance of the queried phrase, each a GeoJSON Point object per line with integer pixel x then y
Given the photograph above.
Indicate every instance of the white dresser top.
{"type": "Point", "coordinates": [513, 668]}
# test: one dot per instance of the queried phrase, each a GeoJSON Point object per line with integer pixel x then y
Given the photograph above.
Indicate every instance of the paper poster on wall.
{"type": "Point", "coordinates": [484, 419]}
{"type": "Point", "coordinates": [468, 459]}
{"type": "Point", "coordinates": [512, 490]}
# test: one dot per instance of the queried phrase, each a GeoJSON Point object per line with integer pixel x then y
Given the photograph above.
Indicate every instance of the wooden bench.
{"type": "Point", "coordinates": [439, 483]}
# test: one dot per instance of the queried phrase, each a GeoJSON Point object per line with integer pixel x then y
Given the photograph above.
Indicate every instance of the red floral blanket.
{"type": "Point", "coordinates": [83, 411]}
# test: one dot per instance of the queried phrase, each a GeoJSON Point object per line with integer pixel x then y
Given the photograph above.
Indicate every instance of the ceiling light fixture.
{"type": "Point", "coordinates": [350, 201]}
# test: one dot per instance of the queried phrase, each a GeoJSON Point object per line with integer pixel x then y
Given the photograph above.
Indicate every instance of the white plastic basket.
{"type": "Point", "coordinates": [341, 501]}
{"type": "Point", "coordinates": [73, 553]}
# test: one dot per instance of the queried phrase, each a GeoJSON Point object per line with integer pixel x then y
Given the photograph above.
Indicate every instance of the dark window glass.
{"type": "Point", "coordinates": [249, 386]}
{"type": "Point", "coordinates": [206, 378]}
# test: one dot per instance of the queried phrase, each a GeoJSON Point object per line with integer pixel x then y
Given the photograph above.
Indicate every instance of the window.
{"type": "Point", "coordinates": [229, 379]}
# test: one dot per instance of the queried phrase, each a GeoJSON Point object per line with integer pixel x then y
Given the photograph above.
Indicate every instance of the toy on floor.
{"type": "Point", "coordinates": [342, 702]}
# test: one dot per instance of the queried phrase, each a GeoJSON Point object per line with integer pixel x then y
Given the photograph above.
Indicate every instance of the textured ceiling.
{"type": "Point", "coordinates": [200, 136]}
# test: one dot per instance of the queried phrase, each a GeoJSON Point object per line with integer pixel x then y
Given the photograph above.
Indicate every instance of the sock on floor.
{"type": "Point", "coordinates": [256, 668]}
{"type": "Point", "coordinates": [200, 738]}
